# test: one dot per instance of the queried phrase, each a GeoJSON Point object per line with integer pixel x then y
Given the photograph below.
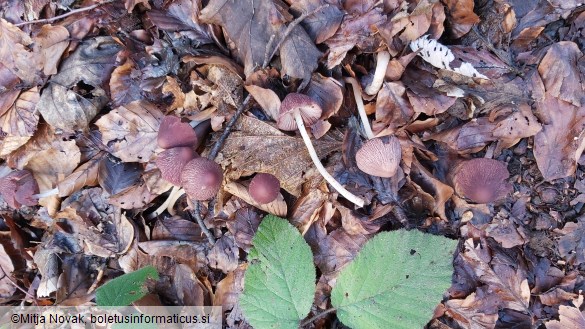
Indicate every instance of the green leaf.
{"type": "Point", "coordinates": [125, 289]}
{"type": "Point", "coordinates": [395, 281]}
{"type": "Point", "coordinates": [279, 284]}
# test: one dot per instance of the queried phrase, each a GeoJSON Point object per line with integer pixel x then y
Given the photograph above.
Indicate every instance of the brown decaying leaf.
{"type": "Point", "coordinates": [461, 16]}
{"type": "Point", "coordinates": [477, 311]}
{"type": "Point", "coordinates": [229, 288]}
{"type": "Point", "coordinates": [7, 287]}
{"type": "Point", "coordinates": [176, 228]}
{"type": "Point", "coordinates": [569, 317]}
{"type": "Point", "coordinates": [14, 55]}
{"type": "Point", "coordinates": [572, 242]}
{"type": "Point", "coordinates": [262, 19]}
{"type": "Point", "coordinates": [125, 84]}
{"type": "Point", "coordinates": [84, 175]}
{"type": "Point", "coordinates": [267, 99]}
{"type": "Point", "coordinates": [50, 43]}
{"type": "Point", "coordinates": [270, 151]}
{"type": "Point", "coordinates": [393, 109]}
{"type": "Point", "coordinates": [224, 254]}
{"type": "Point", "coordinates": [327, 93]}
{"type": "Point", "coordinates": [321, 25]}
{"type": "Point", "coordinates": [77, 93]}
{"type": "Point", "coordinates": [189, 289]}
{"type": "Point", "coordinates": [130, 131]}
{"type": "Point", "coordinates": [115, 176]}
{"type": "Point", "coordinates": [21, 119]}
{"type": "Point", "coordinates": [560, 72]}
{"type": "Point", "coordinates": [130, 4]}
{"type": "Point", "coordinates": [243, 227]}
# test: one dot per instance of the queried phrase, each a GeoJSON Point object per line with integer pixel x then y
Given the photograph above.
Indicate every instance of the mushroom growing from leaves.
{"type": "Point", "coordinates": [264, 188]}
{"type": "Point", "coordinates": [171, 163]}
{"type": "Point", "coordinates": [18, 188]}
{"type": "Point", "coordinates": [481, 180]}
{"type": "Point", "coordinates": [382, 60]}
{"type": "Point", "coordinates": [297, 110]}
{"type": "Point", "coordinates": [173, 133]}
{"type": "Point", "coordinates": [201, 179]}
{"type": "Point", "coordinates": [379, 156]}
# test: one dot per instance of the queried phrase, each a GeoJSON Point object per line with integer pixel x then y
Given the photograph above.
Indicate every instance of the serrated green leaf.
{"type": "Point", "coordinates": [279, 284]}
{"type": "Point", "coordinates": [395, 281]}
{"type": "Point", "coordinates": [125, 289]}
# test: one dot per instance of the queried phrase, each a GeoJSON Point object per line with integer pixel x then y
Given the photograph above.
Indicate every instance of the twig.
{"type": "Point", "coordinates": [204, 229]}
{"type": "Point", "coordinates": [72, 12]}
{"type": "Point", "coordinates": [317, 317]}
{"type": "Point", "coordinates": [228, 129]}
{"type": "Point", "coordinates": [289, 29]}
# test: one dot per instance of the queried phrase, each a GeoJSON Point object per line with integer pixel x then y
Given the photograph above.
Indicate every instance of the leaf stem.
{"type": "Point", "coordinates": [72, 12]}
{"type": "Point", "coordinates": [317, 317]}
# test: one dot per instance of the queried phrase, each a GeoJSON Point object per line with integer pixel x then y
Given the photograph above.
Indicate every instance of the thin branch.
{"type": "Point", "coordinates": [72, 12]}
{"type": "Point", "coordinates": [317, 317]}
{"type": "Point", "coordinates": [199, 219]}
{"type": "Point", "coordinates": [289, 29]}
{"type": "Point", "coordinates": [228, 129]}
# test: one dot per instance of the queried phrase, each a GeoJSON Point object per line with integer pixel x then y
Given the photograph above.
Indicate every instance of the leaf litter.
{"type": "Point", "coordinates": [82, 98]}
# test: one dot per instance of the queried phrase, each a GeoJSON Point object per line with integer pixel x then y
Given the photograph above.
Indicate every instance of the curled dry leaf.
{"type": "Point", "coordinates": [84, 175]}
{"type": "Point", "coordinates": [267, 99]}
{"type": "Point", "coordinates": [130, 131]}
{"type": "Point", "coordinates": [460, 16]}
{"type": "Point", "coordinates": [77, 93]}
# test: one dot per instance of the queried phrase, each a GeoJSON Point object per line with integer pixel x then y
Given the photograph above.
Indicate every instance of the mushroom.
{"type": "Point", "coordinates": [481, 180]}
{"type": "Point", "coordinates": [382, 60]}
{"type": "Point", "coordinates": [379, 156]}
{"type": "Point", "coordinates": [201, 179]}
{"type": "Point", "coordinates": [171, 163]}
{"type": "Point", "coordinates": [361, 108]}
{"type": "Point", "coordinates": [18, 188]}
{"type": "Point", "coordinates": [173, 133]}
{"type": "Point", "coordinates": [264, 188]}
{"type": "Point", "coordinates": [297, 110]}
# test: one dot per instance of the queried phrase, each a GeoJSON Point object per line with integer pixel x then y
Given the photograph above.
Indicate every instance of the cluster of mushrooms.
{"type": "Point", "coordinates": [480, 180]}
{"type": "Point", "coordinates": [198, 177]}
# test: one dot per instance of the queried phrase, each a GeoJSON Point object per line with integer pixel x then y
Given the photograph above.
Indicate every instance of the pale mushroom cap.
{"type": "Point", "coordinates": [172, 161]}
{"type": "Point", "coordinates": [482, 180]}
{"type": "Point", "coordinates": [173, 133]}
{"type": "Point", "coordinates": [264, 188]}
{"type": "Point", "coordinates": [379, 156]}
{"type": "Point", "coordinates": [201, 178]}
{"type": "Point", "coordinates": [293, 103]}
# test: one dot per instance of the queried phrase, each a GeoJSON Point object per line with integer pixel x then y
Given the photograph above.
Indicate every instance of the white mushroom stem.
{"type": "Point", "coordinates": [47, 193]}
{"type": "Point", "coordinates": [338, 187]}
{"type": "Point", "coordinates": [382, 60]}
{"type": "Point", "coordinates": [175, 194]}
{"type": "Point", "coordinates": [361, 109]}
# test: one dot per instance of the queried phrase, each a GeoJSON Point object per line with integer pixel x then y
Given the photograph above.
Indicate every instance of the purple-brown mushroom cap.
{"type": "Point", "coordinates": [201, 178]}
{"type": "Point", "coordinates": [174, 133]}
{"type": "Point", "coordinates": [294, 103]}
{"type": "Point", "coordinates": [379, 156]}
{"type": "Point", "coordinates": [18, 187]}
{"type": "Point", "coordinates": [172, 161]}
{"type": "Point", "coordinates": [481, 180]}
{"type": "Point", "coordinates": [264, 188]}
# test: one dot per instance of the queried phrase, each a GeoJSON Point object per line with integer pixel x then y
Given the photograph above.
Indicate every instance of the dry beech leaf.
{"type": "Point", "coordinates": [277, 207]}
{"type": "Point", "coordinates": [244, 226]}
{"type": "Point", "coordinates": [186, 252]}
{"type": "Point", "coordinates": [10, 92]}
{"type": "Point", "coordinates": [10, 144]}
{"type": "Point", "coordinates": [267, 99]}
{"type": "Point", "coordinates": [130, 131]}
{"type": "Point", "coordinates": [176, 228]}
{"type": "Point", "coordinates": [50, 43]}
{"type": "Point", "coordinates": [224, 254]}
{"type": "Point", "coordinates": [560, 143]}
{"type": "Point", "coordinates": [560, 72]}
{"type": "Point", "coordinates": [77, 93]}
{"type": "Point", "coordinates": [130, 4]}
{"type": "Point", "coordinates": [228, 290]}
{"type": "Point", "coordinates": [13, 53]}
{"type": "Point", "coordinates": [84, 175]}
{"type": "Point", "coordinates": [321, 25]}
{"type": "Point", "coordinates": [262, 19]}
{"type": "Point", "coordinates": [190, 290]}
{"type": "Point", "coordinates": [115, 176]}
{"type": "Point", "coordinates": [569, 318]}
{"type": "Point", "coordinates": [6, 269]}
{"type": "Point", "coordinates": [327, 92]}
{"type": "Point", "coordinates": [21, 119]}
{"type": "Point", "coordinates": [471, 312]}
{"type": "Point", "coordinates": [271, 151]}
{"type": "Point", "coordinates": [125, 84]}
{"type": "Point", "coordinates": [461, 16]}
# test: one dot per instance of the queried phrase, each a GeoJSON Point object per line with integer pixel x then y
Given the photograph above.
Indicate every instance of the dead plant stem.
{"type": "Point", "coordinates": [317, 317]}
{"type": "Point", "coordinates": [72, 12]}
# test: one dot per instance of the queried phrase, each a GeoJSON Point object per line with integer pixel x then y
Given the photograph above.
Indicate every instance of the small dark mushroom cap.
{"type": "Point", "coordinates": [201, 178]}
{"type": "Point", "coordinates": [173, 133]}
{"type": "Point", "coordinates": [481, 180]}
{"type": "Point", "coordinates": [264, 188]}
{"type": "Point", "coordinates": [172, 161]}
{"type": "Point", "coordinates": [18, 187]}
{"type": "Point", "coordinates": [294, 103]}
{"type": "Point", "coordinates": [379, 156]}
